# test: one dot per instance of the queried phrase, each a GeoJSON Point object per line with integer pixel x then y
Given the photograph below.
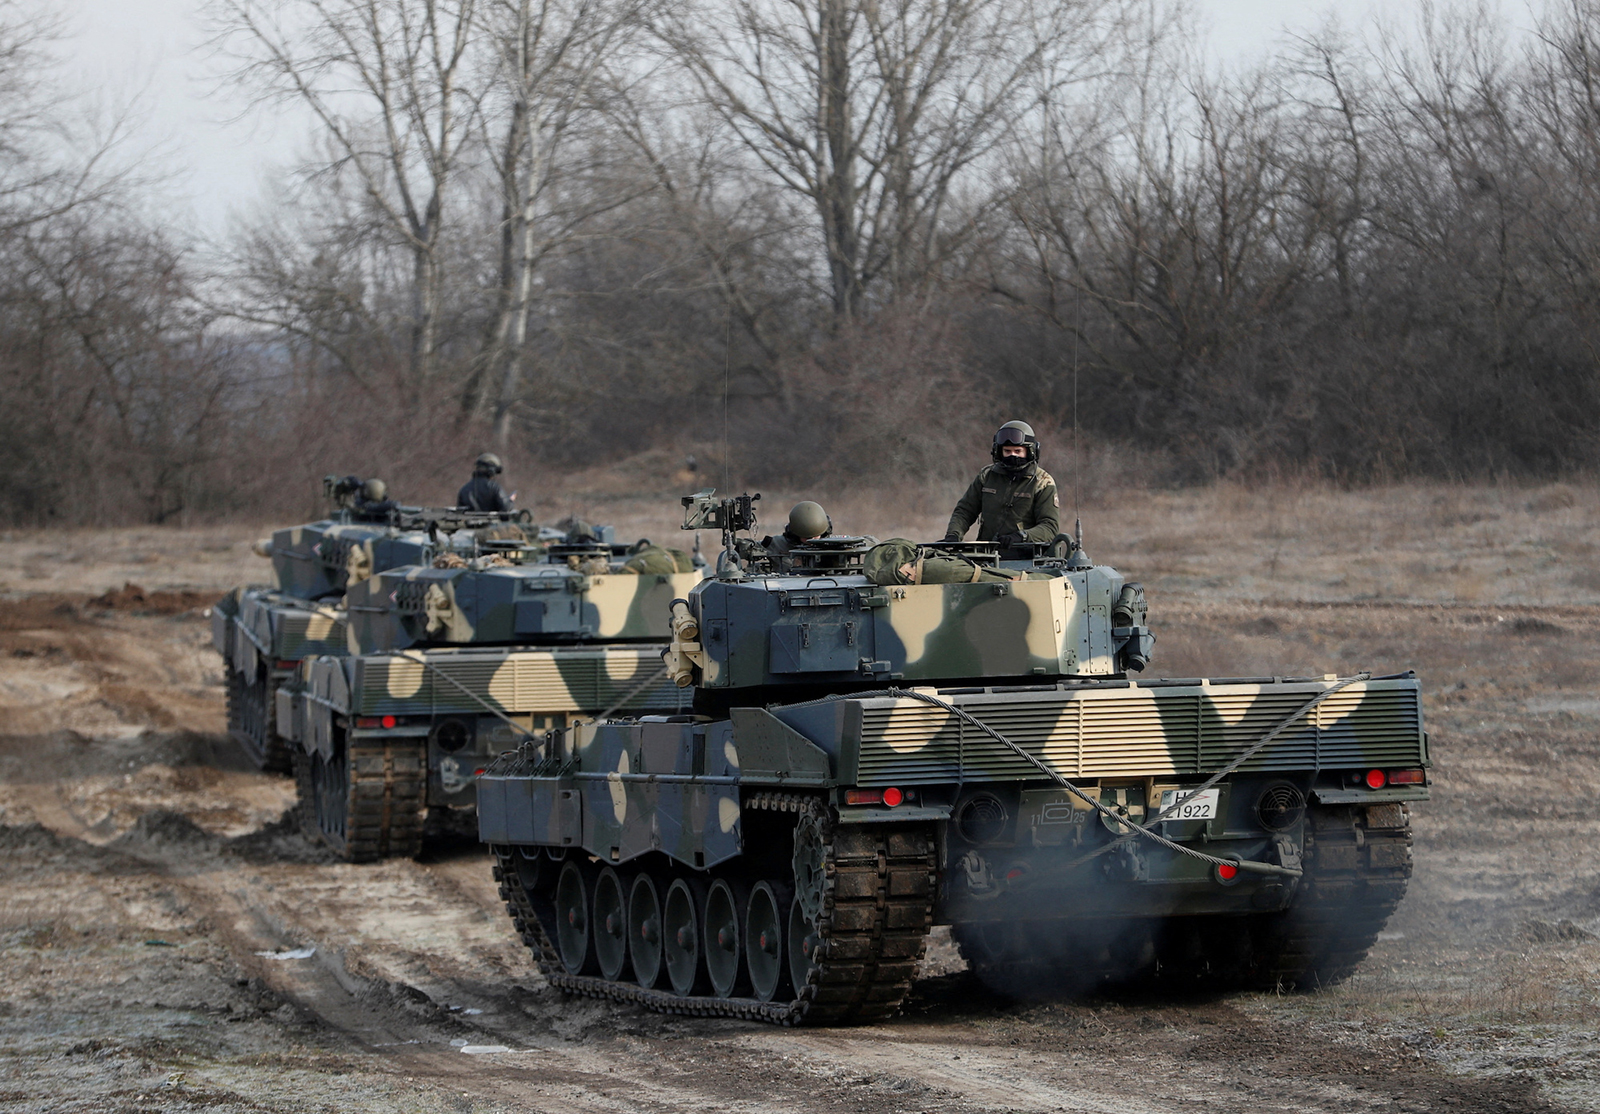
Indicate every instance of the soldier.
{"type": "Point", "coordinates": [807, 520]}
{"type": "Point", "coordinates": [482, 492]}
{"type": "Point", "coordinates": [1013, 500]}
{"type": "Point", "coordinates": [373, 503]}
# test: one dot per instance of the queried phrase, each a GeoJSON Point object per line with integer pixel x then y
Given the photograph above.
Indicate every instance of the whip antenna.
{"type": "Point", "coordinates": [727, 363]}
{"type": "Point", "coordinates": [1077, 466]}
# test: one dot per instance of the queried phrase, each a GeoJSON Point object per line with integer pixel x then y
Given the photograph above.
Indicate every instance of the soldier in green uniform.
{"type": "Point", "coordinates": [807, 520]}
{"type": "Point", "coordinates": [1013, 500]}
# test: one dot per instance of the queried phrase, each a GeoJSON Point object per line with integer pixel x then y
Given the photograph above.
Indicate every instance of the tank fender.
{"type": "Point", "coordinates": [771, 752]}
{"type": "Point", "coordinates": [526, 811]}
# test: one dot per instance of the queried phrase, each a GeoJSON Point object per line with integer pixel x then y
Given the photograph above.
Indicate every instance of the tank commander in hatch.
{"type": "Point", "coordinates": [807, 520]}
{"type": "Point", "coordinates": [483, 492]}
{"type": "Point", "coordinates": [1013, 500]}
{"type": "Point", "coordinates": [373, 503]}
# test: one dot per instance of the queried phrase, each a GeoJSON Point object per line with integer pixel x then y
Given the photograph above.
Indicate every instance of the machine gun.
{"type": "Point", "coordinates": [704, 511]}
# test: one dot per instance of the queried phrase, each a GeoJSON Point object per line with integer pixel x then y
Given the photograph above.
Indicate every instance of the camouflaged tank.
{"type": "Point", "coordinates": [891, 737]}
{"type": "Point", "coordinates": [264, 632]}
{"type": "Point", "coordinates": [452, 662]}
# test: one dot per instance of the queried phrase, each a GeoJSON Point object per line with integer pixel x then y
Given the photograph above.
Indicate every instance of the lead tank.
{"type": "Point", "coordinates": [453, 661]}
{"type": "Point", "coordinates": [891, 737]}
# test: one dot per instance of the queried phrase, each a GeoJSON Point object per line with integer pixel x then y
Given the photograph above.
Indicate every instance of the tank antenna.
{"type": "Point", "coordinates": [727, 362]}
{"type": "Point", "coordinates": [1077, 466]}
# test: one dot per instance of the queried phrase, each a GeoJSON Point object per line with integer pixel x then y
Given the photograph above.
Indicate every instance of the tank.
{"type": "Point", "coordinates": [451, 662]}
{"type": "Point", "coordinates": [891, 737]}
{"type": "Point", "coordinates": [264, 632]}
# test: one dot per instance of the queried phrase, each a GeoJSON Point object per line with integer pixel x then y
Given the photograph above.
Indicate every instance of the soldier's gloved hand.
{"type": "Point", "coordinates": [952, 537]}
{"type": "Point", "coordinates": [1006, 541]}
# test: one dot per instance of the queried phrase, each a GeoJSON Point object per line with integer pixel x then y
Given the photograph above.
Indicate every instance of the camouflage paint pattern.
{"type": "Point", "coordinates": [460, 700]}
{"type": "Point", "coordinates": [544, 603]}
{"type": "Point", "coordinates": [626, 789]}
{"type": "Point", "coordinates": [785, 630]}
{"type": "Point", "coordinates": [1157, 737]}
{"type": "Point", "coordinates": [323, 558]}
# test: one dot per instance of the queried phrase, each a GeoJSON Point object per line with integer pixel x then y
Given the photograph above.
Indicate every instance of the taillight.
{"type": "Point", "coordinates": [377, 721]}
{"type": "Point", "coordinates": [1376, 779]}
{"type": "Point", "coordinates": [286, 665]}
{"type": "Point", "coordinates": [887, 797]}
{"type": "Point", "coordinates": [389, 721]}
{"type": "Point", "coordinates": [1407, 777]}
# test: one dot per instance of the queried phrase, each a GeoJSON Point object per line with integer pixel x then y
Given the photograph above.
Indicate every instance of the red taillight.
{"type": "Point", "coordinates": [864, 796]}
{"type": "Point", "coordinates": [389, 721]}
{"type": "Point", "coordinates": [893, 796]}
{"type": "Point", "coordinates": [366, 721]}
{"type": "Point", "coordinates": [286, 665]}
{"type": "Point", "coordinates": [479, 771]}
{"type": "Point", "coordinates": [1376, 779]}
{"type": "Point", "coordinates": [1406, 777]}
{"type": "Point", "coordinates": [1227, 872]}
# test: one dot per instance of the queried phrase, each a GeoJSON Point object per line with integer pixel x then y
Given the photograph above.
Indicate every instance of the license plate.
{"type": "Point", "coordinates": [1201, 806]}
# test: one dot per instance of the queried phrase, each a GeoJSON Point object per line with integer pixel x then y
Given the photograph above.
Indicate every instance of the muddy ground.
{"type": "Point", "coordinates": [154, 895]}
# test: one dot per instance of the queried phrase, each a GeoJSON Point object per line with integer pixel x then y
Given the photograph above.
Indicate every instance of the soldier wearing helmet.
{"type": "Point", "coordinates": [483, 492]}
{"type": "Point", "coordinates": [1013, 500]}
{"type": "Point", "coordinates": [807, 520]}
{"type": "Point", "coordinates": [373, 503]}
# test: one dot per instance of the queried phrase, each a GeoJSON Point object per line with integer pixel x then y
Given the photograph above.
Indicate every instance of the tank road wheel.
{"type": "Point", "coordinates": [681, 935]}
{"type": "Point", "coordinates": [610, 924]}
{"type": "Point", "coordinates": [765, 958]}
{"type": "Point", "coordinates": [644, 930]}
{"type": "Point", "coordinates": [573, 937]}
{"type": "Point", "coordinates": [724, 939]}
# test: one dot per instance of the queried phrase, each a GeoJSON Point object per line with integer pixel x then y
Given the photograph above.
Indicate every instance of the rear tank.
{"type": "Point", "coordinates": [453, 661]}
{"type": "Point", "coordinates": [264, 632]}
{"type": "Point", "coordinates": [889, 737]}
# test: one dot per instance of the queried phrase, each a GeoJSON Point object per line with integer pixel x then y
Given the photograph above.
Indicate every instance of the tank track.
{"type": "Point", "coordinates": [878, 894]}
{"type": "Point", "coordinates": [1357, 867]}
{"type": "Point", "coordinates": [384, 804]}
{"type": "Point", "coordinates": [252, 723]}
{"type": "Point", "coordinates": [1356, 871]}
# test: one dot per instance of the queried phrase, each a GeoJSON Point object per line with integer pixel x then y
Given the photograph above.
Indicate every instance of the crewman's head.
{"type": "Point", "coordinates": [1015, 447]}
{"type": "Point", "coordinates": [808, 520]}
{"type": "Point", "coordinates": [487, 464]}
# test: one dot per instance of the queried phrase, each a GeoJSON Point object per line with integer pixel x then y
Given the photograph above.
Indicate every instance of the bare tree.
{"type": "Point", "coordinates": [548, 55]}
{"type": "Point", "coordinates": [870, 114]}
{"type": "Point", "coordinates": [383, 79]}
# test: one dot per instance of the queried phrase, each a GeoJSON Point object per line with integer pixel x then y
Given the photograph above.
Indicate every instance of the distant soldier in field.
{"type": "Point", "coordinates": [1013, 500]}
{"type": "Point", "coordinates": [483, 492]}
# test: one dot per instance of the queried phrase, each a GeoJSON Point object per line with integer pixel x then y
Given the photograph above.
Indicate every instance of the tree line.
{"type": "Point", "coordinates": [847, 236]}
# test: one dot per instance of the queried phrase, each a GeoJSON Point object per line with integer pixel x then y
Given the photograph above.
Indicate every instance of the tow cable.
{"type": "Point", "coordinates": [1248, 866]}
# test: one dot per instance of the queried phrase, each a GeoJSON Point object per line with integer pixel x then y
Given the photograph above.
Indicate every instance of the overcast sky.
{"type": "Point", "coordinates": [156, 46]}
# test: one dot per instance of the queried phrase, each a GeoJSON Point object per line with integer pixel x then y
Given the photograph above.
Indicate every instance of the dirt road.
{"type": "Point", "coordinates": [168, 942]}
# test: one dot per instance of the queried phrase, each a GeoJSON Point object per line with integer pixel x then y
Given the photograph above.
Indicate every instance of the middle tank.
{"type": "Point", "coordinates": [455, 661]}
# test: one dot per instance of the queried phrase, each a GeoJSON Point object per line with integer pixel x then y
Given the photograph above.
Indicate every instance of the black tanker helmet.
{"type": "Point", "coordinates": [1015, 433]}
